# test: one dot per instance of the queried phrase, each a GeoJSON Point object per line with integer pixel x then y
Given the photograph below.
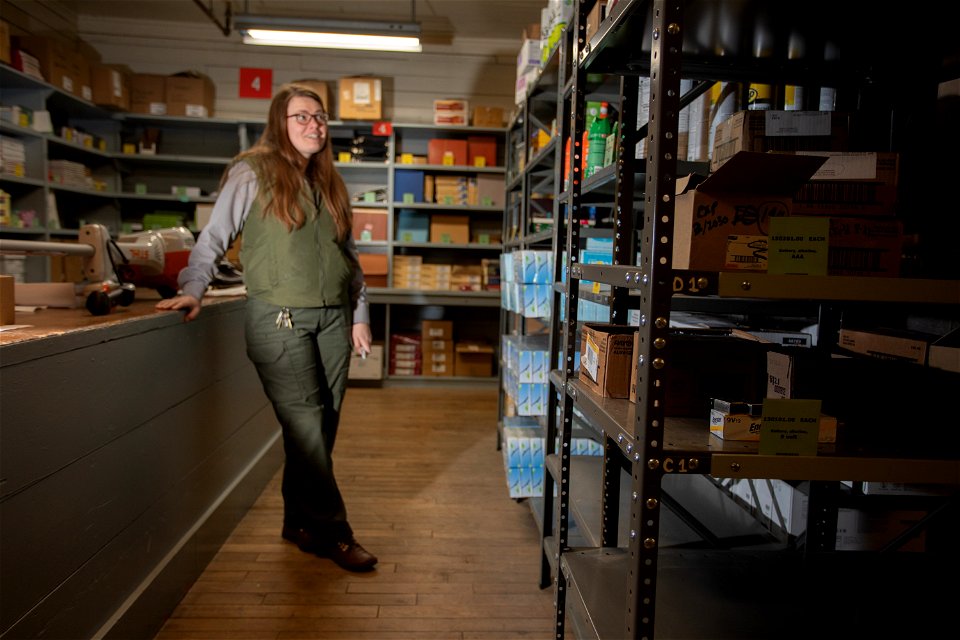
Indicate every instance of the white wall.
{"type": "Point", "coordinates": [482, 71]}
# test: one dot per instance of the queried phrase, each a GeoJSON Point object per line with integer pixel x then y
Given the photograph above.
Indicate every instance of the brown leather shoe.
{"type": "Point", "coordinates": [349, 555]}
{"type": "Point", "coordinates": [301, 538]}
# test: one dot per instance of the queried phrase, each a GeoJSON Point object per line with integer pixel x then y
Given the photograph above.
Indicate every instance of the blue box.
{"type": "Point", "coordinates": [413, 226]}
{"type": "Point", "coordinates": [408, 182]}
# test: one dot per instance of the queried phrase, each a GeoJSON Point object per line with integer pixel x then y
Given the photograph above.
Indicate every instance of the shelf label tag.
{"type": "Point", "coordinates": [789, 427]}
{"type": "Point", "coordinates": [798, 245]}
{"type": "Point", "coordinates": [256, 83]}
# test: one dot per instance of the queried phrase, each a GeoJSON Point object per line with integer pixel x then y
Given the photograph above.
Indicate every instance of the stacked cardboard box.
{"type": "Point", "coordinates": [437, 345]}
{"type": "Point", "coordinates": [406, 271]}
{"type": "Point", "coordinates": [406, 357]}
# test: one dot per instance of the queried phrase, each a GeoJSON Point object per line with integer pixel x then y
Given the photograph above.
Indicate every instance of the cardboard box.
{"type": "Point", "coordinates": [795, 372]}
{"type": "Point", "coordinates": [451, 113]}
{"type": "Point", "coordinates": [473, 360]}
{"type": "Point", "coordinates": [606, 358]}
{"type": "Point", "coordinates": [746, 428]}
{"type": "Point", "coordinates": [111, 85]}
{"type": "Point", "coordinates": [369, 368]}
{"type": "Point", "coordinates": [491, 191]}
{"type": "Point", "coordinates": [447, 228]}
{"type": "Point", "coordinates": [55, 57]}
{"type": "Point", "coordinates": [710, 363]}
{"type": "Point", "coordinates": [360, 98]}
{"type": "Point", "coordinates": [908, 346]}
{"type": "Point", "coordinates": [436, 330]}
{"type": "Point", "coordinates": [738, 199]}
{"type": "Point", "coordinates": [595, 17]}
{"type": "Point", "coordinates": [944, 353]}
{"type": "Point", "coordinates": [322, 89]}
{"type": "Point", "coordinates": [375, 269]}
{"type": "Point", "coordinates": [849, 183]}
{"type": "Point", "coordinates": [370, 225]}
{"type": "Point", "coordinates": [487, 116]}
{"type": "Point", "coordinates": [190, 94]}
{"type": "Point", "coordinates": [447, 152]}
{"type": "Point", "coordinates": [438, 357]}
{"type": "Point", "coordinates": [148, 93]}
{"type": "Point", "coordinates": [762, 131]}
{"type": "Point", "coordinates": [5, 42]}
{"type": "Point", "coordinates": [481, 151]}
{"type": "Point", "coordinates": [865, 247]}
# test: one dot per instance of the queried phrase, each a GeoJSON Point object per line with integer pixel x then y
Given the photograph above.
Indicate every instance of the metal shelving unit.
{"type": "Point", "coordinates": [633, 576]}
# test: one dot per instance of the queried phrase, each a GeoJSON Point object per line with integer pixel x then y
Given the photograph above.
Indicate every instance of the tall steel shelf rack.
{"type": "Point", "coordinates": [612, 588]}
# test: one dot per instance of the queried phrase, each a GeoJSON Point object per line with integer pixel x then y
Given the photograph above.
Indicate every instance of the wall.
{"type": "Point", "coordinates": [480, 70]}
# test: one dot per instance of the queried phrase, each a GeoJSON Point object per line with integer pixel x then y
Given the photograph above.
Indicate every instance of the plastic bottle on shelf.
{"type": "Point", "coordinates": [599, 130]}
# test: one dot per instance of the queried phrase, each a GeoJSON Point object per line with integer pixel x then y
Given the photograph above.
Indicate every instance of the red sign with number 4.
{"type": "Point", "coordinates": [256, 83]}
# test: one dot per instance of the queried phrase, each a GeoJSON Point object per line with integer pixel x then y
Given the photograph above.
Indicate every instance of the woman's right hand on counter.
{"type": "Point", "coordinates": [182, 303]}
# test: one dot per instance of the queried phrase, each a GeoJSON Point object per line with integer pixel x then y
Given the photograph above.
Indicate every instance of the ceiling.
{"type": "Point", "coordinates": [440, 19]}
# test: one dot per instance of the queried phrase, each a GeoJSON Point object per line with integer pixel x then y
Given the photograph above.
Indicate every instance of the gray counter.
{"type": "Point", "coordinates": [130, 445]}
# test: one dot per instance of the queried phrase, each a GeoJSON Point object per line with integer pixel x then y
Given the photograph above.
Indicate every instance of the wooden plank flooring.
{"type": "Point", "coordinates": [425, 491]}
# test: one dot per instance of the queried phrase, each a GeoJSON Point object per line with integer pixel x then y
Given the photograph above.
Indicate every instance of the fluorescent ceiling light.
{"type": "Point", "coordinates": [329, 34]}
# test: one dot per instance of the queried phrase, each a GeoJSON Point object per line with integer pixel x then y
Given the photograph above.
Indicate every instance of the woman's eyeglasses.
{"type": "Point", "coordinates": [304, 118]}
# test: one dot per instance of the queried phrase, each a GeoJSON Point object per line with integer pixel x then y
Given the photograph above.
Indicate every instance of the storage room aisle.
{"type": "Point", "coordinates": [425, 490]}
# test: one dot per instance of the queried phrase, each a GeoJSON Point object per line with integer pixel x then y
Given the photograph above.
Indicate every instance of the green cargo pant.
{"type": "Point", "coordinates": [303, 369]}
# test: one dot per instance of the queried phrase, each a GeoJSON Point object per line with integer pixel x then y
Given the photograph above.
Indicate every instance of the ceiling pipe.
{"type": "Point", "coordinates": [207, 9]}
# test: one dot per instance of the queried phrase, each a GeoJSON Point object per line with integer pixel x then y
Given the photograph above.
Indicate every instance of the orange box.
{"type": "Point", "coordinates": [374, 266]}
{"type": "Point", "coordinates": [370, 225]}
{"type": "Point", "coordinates": [190, 94]}
{"type": "Point", "coordinates": [487, 116]}
{"type": "Point", "coordinates": [454, 150]}
{"type": "Point", "coordinates": [360, 98]}
{"type": "Point", "coordinates": [452, 229]}
{"type": "Point", "coordinates": [55, 57]}
{"type": "Point", "coordinates": [111, 85]}
{"type": "Point", "coordinates": [482, 147]}
{"type": "Point", "coordinates": [436, 330]}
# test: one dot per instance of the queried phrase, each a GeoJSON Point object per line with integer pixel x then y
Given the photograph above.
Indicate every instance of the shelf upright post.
{"type": "Point", "coordinates": [652, 361]}
{"type": "Point", "coordinates": [564, 325]}
{"type": "Point", "coordinates": [624, 252]}
{"type": "Point", "coordinates": [555, 397]}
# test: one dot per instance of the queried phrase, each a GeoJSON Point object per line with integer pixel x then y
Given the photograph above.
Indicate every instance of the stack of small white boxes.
{"type": "Point", "coordinates": [523, 455]}
{"type": "Point", "coordinates": [526, 279]}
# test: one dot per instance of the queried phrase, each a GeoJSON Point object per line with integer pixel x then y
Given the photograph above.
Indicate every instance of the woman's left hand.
{"type": "Point", "coordinates": [361, 338]}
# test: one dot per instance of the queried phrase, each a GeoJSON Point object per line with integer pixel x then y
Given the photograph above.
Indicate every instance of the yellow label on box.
{"type": "Point", "coordinates": [480, 161]}
{"type": "Point", "coordinates": [789, 427]}
{"type": "Point", "coordinates": [448, 159]}
{"type": "Point", "coordinates": [129, 147]}
{"type": "Point", "coordinates": [343, 156]}
{"type": "Point", "coordinates": [798, 245]}
{"type": "Point", "coordinates": [406, 158]}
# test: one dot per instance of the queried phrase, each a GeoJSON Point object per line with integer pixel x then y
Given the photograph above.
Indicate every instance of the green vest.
{"type": "Point", "coordinates": [305, 267]}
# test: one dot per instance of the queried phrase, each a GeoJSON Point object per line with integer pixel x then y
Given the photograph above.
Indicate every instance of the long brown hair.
{"type": "Point", "coordinates": [278, 157]}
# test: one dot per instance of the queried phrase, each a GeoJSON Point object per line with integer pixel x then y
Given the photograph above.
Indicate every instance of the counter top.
{"type": "Point", "coordinates": [50, 322]}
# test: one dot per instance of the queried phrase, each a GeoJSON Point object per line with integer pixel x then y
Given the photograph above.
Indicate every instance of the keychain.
{"type": "Point", "coordinates": [284, 321]}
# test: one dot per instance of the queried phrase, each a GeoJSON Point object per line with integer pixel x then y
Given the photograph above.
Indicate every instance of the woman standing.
{"type": "Point", "coordinates": [306, 304]}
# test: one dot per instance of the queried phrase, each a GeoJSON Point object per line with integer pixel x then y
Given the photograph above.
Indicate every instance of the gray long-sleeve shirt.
{"type": "Point", "coordinates": [226, 222]}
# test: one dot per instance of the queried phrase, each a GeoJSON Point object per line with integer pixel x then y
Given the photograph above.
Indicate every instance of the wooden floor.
{"type": "Point", "coordinates": [425, 491]}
